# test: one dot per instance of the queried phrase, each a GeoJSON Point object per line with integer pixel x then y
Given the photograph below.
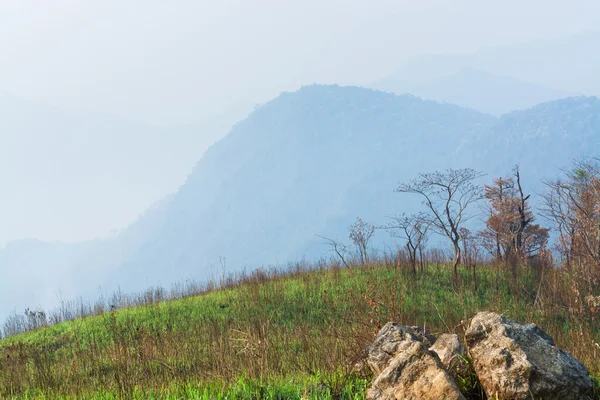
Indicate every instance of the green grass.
{"type": "Point", "coordinates": [242, 389]}
{"type": "Point", "coordinates": [274, 338]}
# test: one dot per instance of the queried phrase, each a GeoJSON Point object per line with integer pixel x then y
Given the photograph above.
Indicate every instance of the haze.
{"type": "Point", "coordinates": [170, 64]}
{"type": "Point", "coordinates": [107, 106]}
{"type": "Point", "coordinates": [167, 65]}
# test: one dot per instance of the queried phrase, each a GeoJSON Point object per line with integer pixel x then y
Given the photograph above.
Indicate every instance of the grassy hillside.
{"type": "Point", "coordinates": [274, 336]}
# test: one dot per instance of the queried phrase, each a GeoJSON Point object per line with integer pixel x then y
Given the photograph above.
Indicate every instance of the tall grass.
{"type": "Point", "coordinates": [272, 335]}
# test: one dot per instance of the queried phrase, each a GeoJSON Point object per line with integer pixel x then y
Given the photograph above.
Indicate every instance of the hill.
{"type": "Point", "coordinates": [271, 336]}
{"type": "Point", "coordinates": [476, 89]}
{"type": "Point", "coordinates": [546, 137]}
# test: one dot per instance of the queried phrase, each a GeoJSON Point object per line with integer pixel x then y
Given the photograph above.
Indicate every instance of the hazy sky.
{"type": "Point", "coordinates": [171, 63]}
{"type": "Point", "coordinates": [174, 62]}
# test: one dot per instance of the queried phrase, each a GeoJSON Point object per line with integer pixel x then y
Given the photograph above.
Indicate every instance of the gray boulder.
{"type": "Point", "coordinates": [386, 345]}
{"type": "Point", "coordinates": [414, 373]}
{"type": "Point", "coordinates": [515, 361]}
{"type": "Point", "coordinates": [406, 369]}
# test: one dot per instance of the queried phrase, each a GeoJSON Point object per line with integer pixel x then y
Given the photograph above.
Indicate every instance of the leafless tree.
{"type": "Point", "coordinates": [361, 233]}
{"type": "Point", "coordinates": [340, 249]}
{"type": "Point", "coordinates": [525, 218]}
{"type": "Point", "coordinates": [471, 250]}
{"type": "Point", "coordinates": [573, 207]}
{"type": "Point", "coordinates": [413, 229]}
{"type": "Point", "coordinates": [448, 196]}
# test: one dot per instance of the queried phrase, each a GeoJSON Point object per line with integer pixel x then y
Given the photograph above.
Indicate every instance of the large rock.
{"type": "Point", "coordinates": [515, 361]}
{"type": "Point", "coordinates": [414, 373]}
{"type": "Point", "coordinates": [386, 345]}
{"type": "Point", "coordinates": [406, 369]}
{"type": "Point", "coordinates": [450, 351]}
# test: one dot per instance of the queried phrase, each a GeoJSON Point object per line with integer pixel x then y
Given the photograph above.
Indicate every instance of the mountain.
{"type": "Point", "coordinates": [545, 138]}
{"type": "Point", "coordinates": [308, 163]}
{"type": "Point", "coordinates": [476, 89]}
{"type": "Point", "coordinates": [567, 64]}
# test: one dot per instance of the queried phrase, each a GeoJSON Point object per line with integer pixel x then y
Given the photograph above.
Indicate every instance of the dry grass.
{"type": "Point", "coordinates": [274, 335]}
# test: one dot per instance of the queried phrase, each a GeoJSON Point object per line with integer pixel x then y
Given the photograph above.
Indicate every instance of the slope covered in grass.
{"type": "Point", "coordinates": [292, 336]}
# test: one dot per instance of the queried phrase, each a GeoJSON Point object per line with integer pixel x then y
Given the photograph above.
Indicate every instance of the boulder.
{"type": "Point", "coordinates": [515, 361]}
{"type": "Point", "coordinates": [414, 373]}
{"type": "Point", "coordinates": [386, 345]}
{"type": "Point", "coordinates": [450, 351]}
{"type": "Point", "coordinates": [406, 369]}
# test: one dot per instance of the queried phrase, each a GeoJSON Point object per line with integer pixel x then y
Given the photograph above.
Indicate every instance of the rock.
{"type": "Point", "coordinates": [386, 345]}
{"type": "Point", "coordinates": [406, 369]}
{"type": "Point", "coordinates": [424, 335]}
{"type": "Point", "coordinates": [450, 350]}
{"type": "Point", "coordinates": [515, 361]}
{"type": "Point", "coordinates": [414, 373]}
{"type": "Point", "coordinates": [389, 337]}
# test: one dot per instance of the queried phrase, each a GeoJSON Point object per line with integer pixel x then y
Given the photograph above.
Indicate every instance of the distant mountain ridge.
{"type": "Point", "coordinates": [476, 89]}
{"type": "Point", "coordinates": [308, 163]}
{"type": "Point", "coordinates": [566, 63]}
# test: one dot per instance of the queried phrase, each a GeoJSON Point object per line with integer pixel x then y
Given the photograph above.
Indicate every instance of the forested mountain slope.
{"type": "Point", "coordinates": [308, 163]}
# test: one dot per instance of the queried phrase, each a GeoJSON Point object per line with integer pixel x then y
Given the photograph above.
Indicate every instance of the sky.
{"type": "Point", "coordinates": [168, 64]}
{"type": "Point", "coordinates": [176, 62]}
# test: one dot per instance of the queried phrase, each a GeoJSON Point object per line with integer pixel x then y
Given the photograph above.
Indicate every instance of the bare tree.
{"type": "Point", "coordinates": [471, 250]}
{"type": "Point", "coordinates": [340, 249]}
{"type": "Point", "coordinates": [573, 206]}
{"type": "Point", "coordinates": [525, 217]}
{"type": "Point", "coordinates": [413, 229]}
{"type": "Point", "coordinates": [448, 196]}
{"type": "Point", "coordinates": [361, 233]}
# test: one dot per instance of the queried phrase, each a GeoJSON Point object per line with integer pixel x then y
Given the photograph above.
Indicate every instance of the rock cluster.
{"type": "Point", "coordinates": [512, 361]}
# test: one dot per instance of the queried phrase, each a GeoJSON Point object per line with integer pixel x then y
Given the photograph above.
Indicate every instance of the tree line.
{"type": "Point", "coordinates": [509, 233]}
